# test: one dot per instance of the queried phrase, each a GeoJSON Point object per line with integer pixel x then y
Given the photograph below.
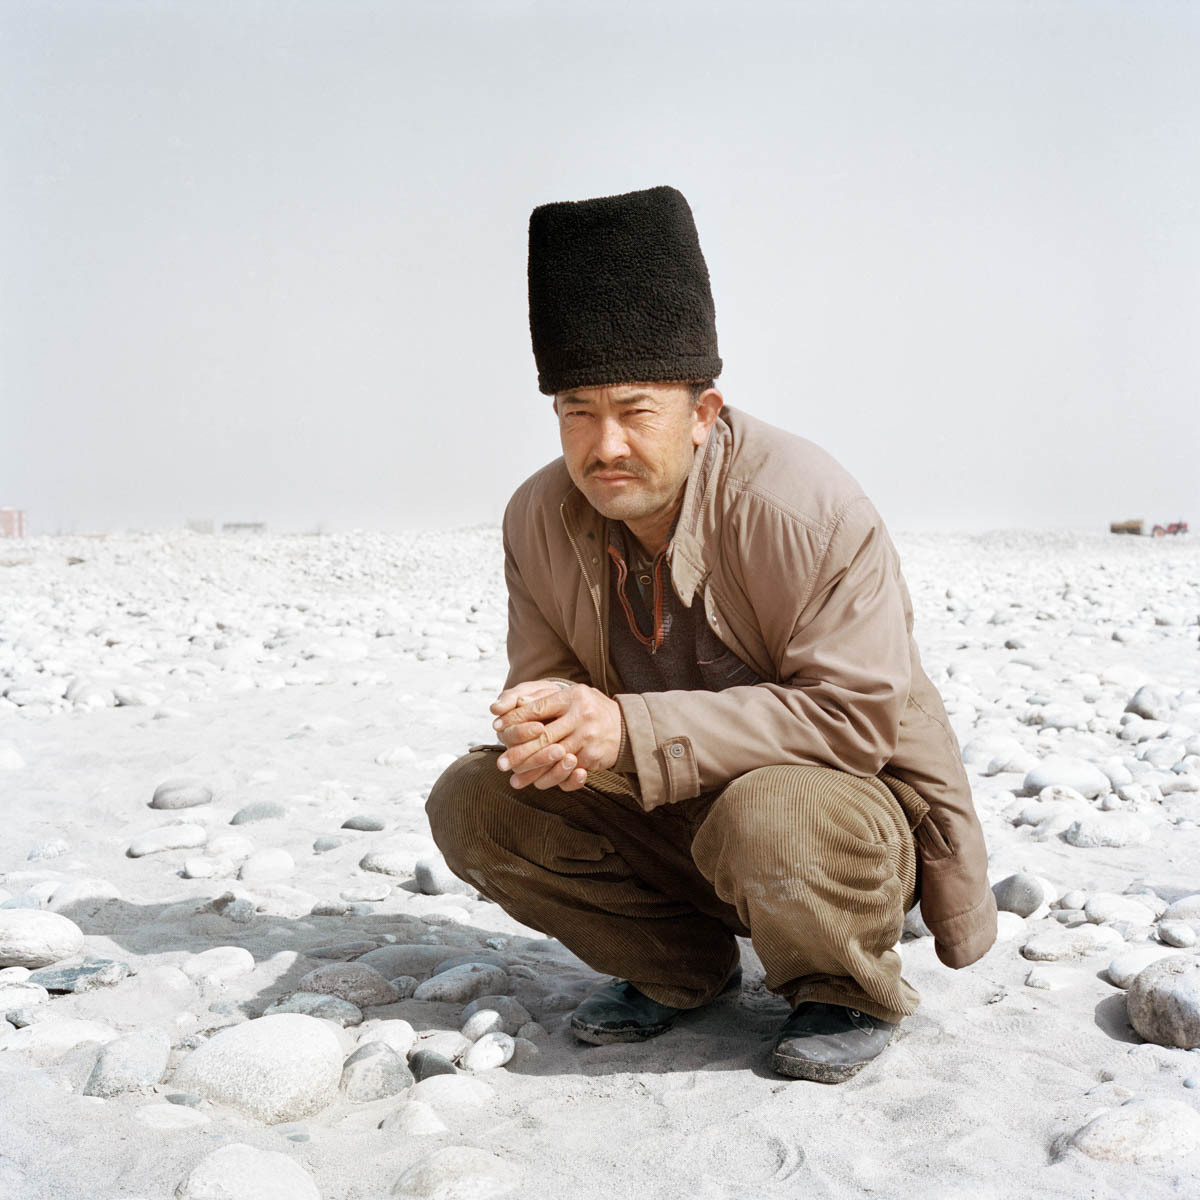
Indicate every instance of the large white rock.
{"type": "Point", "coordinates": [1164, 1002]}
{"type": "Point", "coordinates": [1081, 941]}
{"type": "Point", "coordinates": [137, 1060]}
{"type": "Point", "coordinates": [1150, 702]}
{"type": "Point", "coordinates": [181, 793]}
{"type": "Point", "coordinates": [462, 984]}
{"type": "Point", "coordinates": [47, 1041]}
{"type": "Point", "coordinates": [1085, 777]}
{"type": "Point", "coordinates": [30, 937]}
{"type": "Point", "coordinates": [458, 1173]}
{"type": "Point", "coordinates": [1140, 1131]}
{"type": "Point", "coordinates": [1127, 965]}
{"type": "Point", "coordinates": [1107, 829]}
{"type": "Point", "coordinates": [240, 1172]}
{"type": "Point", "coordinates": [86, 894]}
{"type": "Point", "coordinates": [219, 964]}
{"type": "Point", "coordinates": [278, 1068]}
{"type": "Point", "coordinates": [167, 837]}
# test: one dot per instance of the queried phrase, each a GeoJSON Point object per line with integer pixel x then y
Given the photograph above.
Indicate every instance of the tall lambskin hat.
{"type": "Point", "coordinates": [619, 292]}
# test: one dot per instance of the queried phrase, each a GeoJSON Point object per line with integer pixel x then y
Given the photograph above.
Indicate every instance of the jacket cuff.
{"type": "Point", "coordinates": [626, 764]}
{"type": "Point", "coordinates": [666, 772]}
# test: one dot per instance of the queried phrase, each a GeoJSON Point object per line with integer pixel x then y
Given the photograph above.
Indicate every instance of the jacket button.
{"type": "Point", "coordinates": [676, 750]}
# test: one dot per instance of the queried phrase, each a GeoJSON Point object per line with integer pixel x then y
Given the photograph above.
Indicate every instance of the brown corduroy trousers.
{"type": "Point", "coordinates": [815, 866]}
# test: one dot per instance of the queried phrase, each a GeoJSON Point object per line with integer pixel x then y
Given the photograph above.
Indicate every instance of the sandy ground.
{"type": "Point", "coordinates": [337, 676]}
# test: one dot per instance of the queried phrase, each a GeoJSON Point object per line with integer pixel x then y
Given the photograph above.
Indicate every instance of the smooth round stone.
{"type": "Point", "coordinates": [405, 958]}
{"type": "Point", "coordinates": [490, 1051]}
{"type": "Point", "coordinates": [35, 938]}
{"type": "Point", "coordinates": [89, 894]}
{"type": "Point", "coordinates": [230, 845]}
{"type": "Point", "coordinates": [170, 1117]}
{"type": "Point", "coordinates": [357, 982]}
{"type": "Point", "coordinates": [473, 956]}
{"type": "Point", "coordinates": [18, 993]}
{"type": "Point", "coordinates": [458, 1172]}
{"type": "Point", "coordinates": [397, 1033]}
{"type": "Point", "coordinates": [414, 1118]}
{"type": "Point", "coordinates": [181, 793]}
{"type": "Point", "coordinates": [1150, 702]}
{"type": "Point", "coordinates": [426, 1062]}
{"type": "Point", "coordinates": [1176, 933]}
{"type": "Point", "coordinates": [487, 1020]}
{"type": "Point", "coordinates": [387, 862]}
{"type": "Point", "coordinates": [1141, 1131]}
{"type": "Point", "coordinates": [278, 1068]}
{"type": "Point", "coordinates": [370, 891]}
{"type": "Point", "coordinates": [365, 823]}
{"type": "Point", "coordinates": [1022, 894]}
{"type": "Point", "coordinates": [1052, 945]}
{"type": "Point", "coordinates": [1075, 898]}
{"type": "Point", "coordinates": [260, 810]}
{"type": "Point", "coordinates": [1164, 1002]}
{"type": "Point", "coordinates": [317, 1004]}
{"type": "Point", "coordinates": [1109, 906]}
{"type": "Point", "coordinates": [330, 841]}
{"type": "Point", "coordinates": [373, 1072]}
{"type": "Point", "coordinates": [459, 985]}
{"type": "Point", "coordinates": [434, 878]}
{"type": "Point", "coordinates": [240, 1172]}
{"type": "Point", "coordinates": [200, 867]}
{"type": "Point", "coordinates": [1187, 908]}
{"type": "Point", "coordinates": [263, 866]}
{"type": "Point", "coordinates": [1075, 773]}
{"type": "Point", "coordinates": [168, 837]}
{"type": "Point", "coordinates": [46, 1041]}
{"type": "Point", "coordinates": [1130, 963]}
{"type": "Point", "coordinates": [137, 1060]}
{"type": "Point", "coordinates": [219, 964]}
{"type": "Point", "coordinates": [531, 1031]}
{"type": "Point", "coordinates": [1040, 979]}
{"type": "Point", "coordinates": [1107, 829]}
{"type": "Point", "coordinates": [512, 1013]}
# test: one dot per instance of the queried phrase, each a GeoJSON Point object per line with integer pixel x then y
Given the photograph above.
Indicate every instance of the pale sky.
{"type": "Point", "coordinates": [265, 259]}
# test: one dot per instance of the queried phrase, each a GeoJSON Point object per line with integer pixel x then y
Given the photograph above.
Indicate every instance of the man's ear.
{"type": "Point", "coordinates": [704, 415]}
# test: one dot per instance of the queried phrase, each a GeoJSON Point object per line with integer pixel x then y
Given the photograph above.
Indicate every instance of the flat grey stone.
{"type": "Point", "coordinates": [137, 1060]}
{"type": "Point", "coordinates": [81, 977]}
{"type": "Point", "coordinates": [260, 810]}
{"type": "Point", "coordinates": [471, 956]}
{"type": "Point", "coordinates": [427, 1063]}
{"type": "Point", "coordinates": [330, 841]}
{"type": "Point", "coordinates": [365, 823]}
{"type": "Point", "coordinates": [459, 985]}
{"type": "Point", "coordinates": [406, 958]}
{"type": "Point", "coordinates": [167, 837]}
{"type": "Point", "coordinates": [316, 1004]}
{"type": "Point", "coordinates": [341, 951]}
{"type": "Point", "coordinates": [357, 982]}
{"type": "Point", "coordinates": [373, 1072]}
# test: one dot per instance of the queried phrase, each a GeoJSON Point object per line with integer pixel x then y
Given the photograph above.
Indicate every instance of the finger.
{"type": "Point", "coordinates": [514, 735]}
{"type": "Point", "coordinates": [530, 756]}
{"type": "Point", "coordinates": [520, 693]}
{"type": "Point", "coordinates": [521, 779]}
{"type": "Point", "coordinates": [549, 704]}
{"type": "Point", "coordinates": [577, 780]}
{"type": "Point", "coordinates": [557, 774]}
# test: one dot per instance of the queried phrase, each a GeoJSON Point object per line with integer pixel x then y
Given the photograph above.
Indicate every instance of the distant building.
{"type": "Point", "coordinates": [12, 522]}
{"type": "Point", "coordinates": [244, 527]}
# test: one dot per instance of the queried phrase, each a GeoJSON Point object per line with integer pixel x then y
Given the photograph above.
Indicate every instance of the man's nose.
{"type": "Point", "coordinates": [611, 445]}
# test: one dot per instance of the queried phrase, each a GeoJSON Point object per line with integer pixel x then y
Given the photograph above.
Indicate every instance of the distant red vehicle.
{"type": "Point", "coordinates": [1174, 527]}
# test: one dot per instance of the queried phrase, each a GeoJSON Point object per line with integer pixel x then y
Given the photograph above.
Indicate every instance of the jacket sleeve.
{"type": "Point", "coordinates": [845, 673]}
{"type": "Point", "coordinates": [535, 648]}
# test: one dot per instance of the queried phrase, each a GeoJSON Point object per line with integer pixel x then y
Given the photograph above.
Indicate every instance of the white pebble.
{"type": "Point", "coordinates": [1141, 1130]}
{"type": "Point", "coordinates": [32, 938]}
{"type": "Point", "coordinates": [219, 964]}
{"type": "Point", "coordinates": [458, 1173]}
{"type": "Point", "coordinates": [490, 1051]}
{"type": "Point", "coordinates": [240, 1172]}
{"type": "Point", "coordinates": [167, 837]}
{"type": "Point", "coordinates": [265, 865]}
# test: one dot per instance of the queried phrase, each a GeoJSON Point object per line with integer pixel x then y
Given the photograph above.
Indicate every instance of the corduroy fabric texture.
{"type": "Point", "coordinates": [816, 866]}
{"type": "Point", "coordinates": [619, 292]}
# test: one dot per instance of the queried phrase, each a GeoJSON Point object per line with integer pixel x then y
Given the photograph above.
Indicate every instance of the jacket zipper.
{"type": "Point", "coordinates": [592, 592]}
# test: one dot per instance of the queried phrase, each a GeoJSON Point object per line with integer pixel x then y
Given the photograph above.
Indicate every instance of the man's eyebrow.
{"type": "Point", "coordinates": [636, 398]}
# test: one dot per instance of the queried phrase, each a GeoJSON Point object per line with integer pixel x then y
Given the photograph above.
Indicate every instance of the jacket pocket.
{"type": "Point", "coordinates": [931, 842]}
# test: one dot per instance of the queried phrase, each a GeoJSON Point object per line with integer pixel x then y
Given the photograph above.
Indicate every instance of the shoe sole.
{"type": "Point", "coordinates": [598, 1035]}
{"type": "Point", "coordinates": [802, 1068]}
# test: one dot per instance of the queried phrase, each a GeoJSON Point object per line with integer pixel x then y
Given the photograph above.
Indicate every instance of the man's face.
{"type": "Point", "coordinates": [629, 448]}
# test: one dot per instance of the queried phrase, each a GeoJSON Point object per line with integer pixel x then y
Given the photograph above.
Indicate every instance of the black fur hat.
{"type": "Point", "coordinates": [619, 292]}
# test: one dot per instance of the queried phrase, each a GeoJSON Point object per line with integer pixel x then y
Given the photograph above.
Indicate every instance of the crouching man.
{"type": "Point", "coordinates": [715, 723]}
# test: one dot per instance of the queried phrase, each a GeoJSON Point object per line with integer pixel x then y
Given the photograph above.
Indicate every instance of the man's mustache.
{"type": "Point", "coordinates": [625, 467]}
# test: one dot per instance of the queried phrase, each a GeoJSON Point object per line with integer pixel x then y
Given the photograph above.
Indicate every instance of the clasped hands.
{"type": "Point", "coordinates": [556, 733]}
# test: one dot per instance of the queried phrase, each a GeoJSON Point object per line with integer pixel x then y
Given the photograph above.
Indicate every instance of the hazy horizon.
{"type": "Point", "coordinates": [268, 262]}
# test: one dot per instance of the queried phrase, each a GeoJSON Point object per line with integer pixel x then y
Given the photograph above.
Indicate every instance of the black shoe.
{"type": "Point", "coordinates": [828, 1043]}
{"type": "Point", "coordinates": [618, 1012]}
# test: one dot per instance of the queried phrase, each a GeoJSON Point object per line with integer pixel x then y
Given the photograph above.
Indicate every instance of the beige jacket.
{"type": "Point", "coordinates": [797, 576]}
